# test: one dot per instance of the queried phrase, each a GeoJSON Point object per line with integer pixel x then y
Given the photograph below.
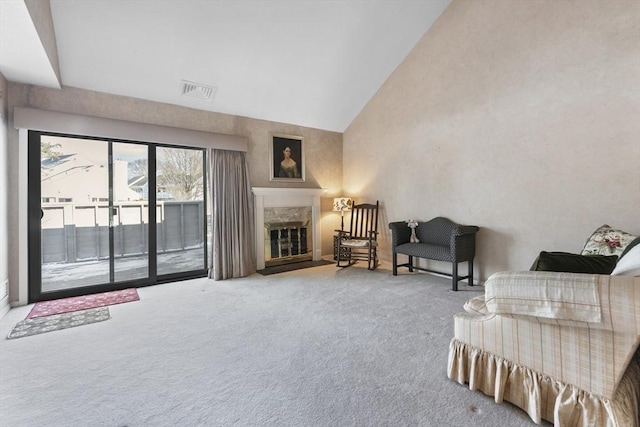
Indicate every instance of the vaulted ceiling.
{"type": "Point", "coordinates": [313, 63]}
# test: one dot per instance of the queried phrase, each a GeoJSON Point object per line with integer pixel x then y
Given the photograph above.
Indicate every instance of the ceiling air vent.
{"type": "Point", "coordinates": [198, 91]}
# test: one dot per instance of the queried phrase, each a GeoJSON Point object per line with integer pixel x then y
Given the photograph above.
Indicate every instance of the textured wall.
{"type": "Point", "coordinates": [323, 155]}
{"type": "Point", "coordinates": [4, 191]}
{"type": "Point", "coordinates": [519, 117]}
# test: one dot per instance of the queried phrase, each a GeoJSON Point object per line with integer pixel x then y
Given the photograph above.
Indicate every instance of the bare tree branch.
{"type": "Point", "coordinates": [180, 172]}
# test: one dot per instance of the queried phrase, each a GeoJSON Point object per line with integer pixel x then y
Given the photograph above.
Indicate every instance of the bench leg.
{"type": "Point", "coordinates": [454, 277]}
{"type": "Point", "coordinates": [395, 264]}
{"type": "Point", "coordinates": [410, 263]}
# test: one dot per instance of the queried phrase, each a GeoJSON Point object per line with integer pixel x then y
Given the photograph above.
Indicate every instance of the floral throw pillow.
{"type": "Point", "coordinates": [607, 241]}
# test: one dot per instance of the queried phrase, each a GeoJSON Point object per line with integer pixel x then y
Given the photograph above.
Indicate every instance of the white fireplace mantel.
{"type": "Point", "coordinates": [269, 197]}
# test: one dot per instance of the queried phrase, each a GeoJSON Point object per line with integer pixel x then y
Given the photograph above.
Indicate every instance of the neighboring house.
{"type": "Point", "coordinates": [140, 184]}
{"type": "Point", "coordinates": [75, 178]}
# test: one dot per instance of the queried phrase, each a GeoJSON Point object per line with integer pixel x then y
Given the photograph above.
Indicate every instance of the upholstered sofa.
{"type": "Point", "coordinates": [563, 346]}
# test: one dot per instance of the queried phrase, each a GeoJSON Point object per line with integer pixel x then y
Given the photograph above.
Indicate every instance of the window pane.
{"type": "Point", "coordinates": [131, 213]}
{"type": "Point", "coordinates": [181, 214]}
{"type": "Point", "coordinates": [75, 222]}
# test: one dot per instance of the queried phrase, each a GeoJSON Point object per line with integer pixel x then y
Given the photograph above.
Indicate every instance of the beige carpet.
{"type": "Point", "coordinates": [315, 347]}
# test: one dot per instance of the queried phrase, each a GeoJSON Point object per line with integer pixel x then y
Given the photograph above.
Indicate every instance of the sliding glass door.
{"type": "Point", "coordinates": [97, 206]}
{"type": "Point", "coordinates": [75, 210]}
{"type": "Point", "coordinates": [180, 210]}
{"type": "Point", "coordinates": [130, 212]}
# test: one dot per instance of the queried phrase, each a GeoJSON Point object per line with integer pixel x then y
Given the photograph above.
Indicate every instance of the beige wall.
{"type": "Point", "coordinates": [40, 13]}
{"type": "Point", "coordinates": [323, 155]}
{"type": "Point", "coordinates": [520, 117]}
{"type": "Point", "coordinates": [4, 190]}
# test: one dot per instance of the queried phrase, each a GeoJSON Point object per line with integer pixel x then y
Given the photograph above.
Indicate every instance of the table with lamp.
{"type": "Point", "coordinates": [342, 205]}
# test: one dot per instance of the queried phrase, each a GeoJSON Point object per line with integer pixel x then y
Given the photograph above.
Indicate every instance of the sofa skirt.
{"type": "Point", "coordinates": [541, 396]}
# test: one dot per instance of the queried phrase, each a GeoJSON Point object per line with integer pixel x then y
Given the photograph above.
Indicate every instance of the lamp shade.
{"type": "Point", "coordinates": [342, 204]}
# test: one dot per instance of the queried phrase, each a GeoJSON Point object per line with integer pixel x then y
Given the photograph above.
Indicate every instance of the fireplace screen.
{"type": "Point", "coordinates": [289, 240]}
{"type": "Point", "coordinates": [288, 243]}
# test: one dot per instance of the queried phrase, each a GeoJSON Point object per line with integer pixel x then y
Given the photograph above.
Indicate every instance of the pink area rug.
{"type": "Point", "coordinates": [67, 305]}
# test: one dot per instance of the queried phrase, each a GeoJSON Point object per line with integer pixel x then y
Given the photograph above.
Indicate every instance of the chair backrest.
{"type": "Point", "coordinates": [364, 218]}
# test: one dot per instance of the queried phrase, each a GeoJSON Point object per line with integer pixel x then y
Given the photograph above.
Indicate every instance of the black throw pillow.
{"type": "Point", "coordinates": [574, 263]}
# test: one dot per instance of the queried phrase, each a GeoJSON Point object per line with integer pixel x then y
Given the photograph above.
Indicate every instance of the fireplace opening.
{"type": "Point", "coordinates": [287, 243]}
{"type": "Point", "coordinates": [287, 233]}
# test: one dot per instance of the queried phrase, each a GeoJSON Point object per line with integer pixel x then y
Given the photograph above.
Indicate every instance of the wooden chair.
{"type": "Point", "coordinates": [360, 242]}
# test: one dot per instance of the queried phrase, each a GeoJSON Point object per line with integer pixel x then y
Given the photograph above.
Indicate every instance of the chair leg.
{"type": "Point", "coordinates": [410, 263]}
{"type": "Point", "coordinates": [470, 279]}
{"type": "Point", "coordinates": [373, 259]}
{"type": "Point", "coordinates": [454, 276]}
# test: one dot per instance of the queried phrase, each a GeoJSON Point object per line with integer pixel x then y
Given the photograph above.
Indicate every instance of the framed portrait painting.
{"type": "Point", "coordinates": [286, 157]}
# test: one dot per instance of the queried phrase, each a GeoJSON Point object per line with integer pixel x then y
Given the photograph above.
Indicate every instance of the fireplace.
{"type": "Point", "coordinates": [287, 235]}
{"type": "Point", "coordinates": [287, 224]}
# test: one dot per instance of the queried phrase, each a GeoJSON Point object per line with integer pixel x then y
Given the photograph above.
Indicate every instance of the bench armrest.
{"type": "Point", "coordinates": [461, 230]}
{"type": "Point", "coordinates": [400, 233]}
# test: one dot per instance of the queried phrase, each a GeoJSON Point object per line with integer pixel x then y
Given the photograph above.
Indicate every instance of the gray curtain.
{"type": "Point", "coordinates": [233, 227]}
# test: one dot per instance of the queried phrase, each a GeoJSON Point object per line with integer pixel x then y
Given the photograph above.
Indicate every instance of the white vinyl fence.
{"type": "Point", "coordinates": [73, 232]}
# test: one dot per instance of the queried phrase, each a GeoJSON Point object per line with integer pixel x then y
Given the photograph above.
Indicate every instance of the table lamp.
{"type": "Point", "coordinates": [342, 205]}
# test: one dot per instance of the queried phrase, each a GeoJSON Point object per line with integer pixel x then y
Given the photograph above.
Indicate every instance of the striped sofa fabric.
{"type": "Point", "coordinates": [561, 346]}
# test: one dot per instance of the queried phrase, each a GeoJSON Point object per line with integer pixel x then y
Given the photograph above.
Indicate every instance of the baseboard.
{"type": "Point", "coordinates": [4, 289]}
{"type": "Point", "coordinates": [4, 298]}
{"type": "Point", "coordinates": [4, 306]}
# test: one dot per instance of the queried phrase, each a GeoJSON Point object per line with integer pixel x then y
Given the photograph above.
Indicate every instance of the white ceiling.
{"type": "Point", "coordinates": [23, 58]}
{"type": "Point", "coordinates": [313, 63]}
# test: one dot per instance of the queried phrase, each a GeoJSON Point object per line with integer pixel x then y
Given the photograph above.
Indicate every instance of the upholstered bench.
{"type": "Point", "coordinates": [440, 240]}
